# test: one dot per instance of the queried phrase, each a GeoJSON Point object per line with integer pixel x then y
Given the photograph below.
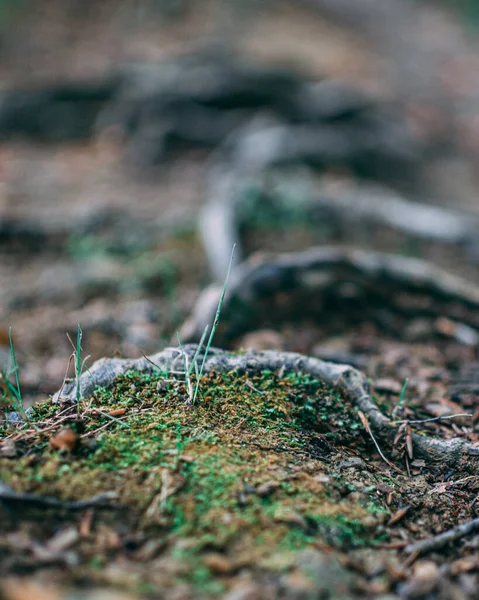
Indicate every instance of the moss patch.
{"type": "Point", "coordinates": [245, 474]}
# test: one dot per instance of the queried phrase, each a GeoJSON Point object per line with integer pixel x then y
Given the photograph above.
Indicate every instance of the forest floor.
{"type": "Point", "coordinates": [224, 500]}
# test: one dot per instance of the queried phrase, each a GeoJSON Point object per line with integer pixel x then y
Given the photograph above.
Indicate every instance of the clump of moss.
{"type": "Point", "coordinates": [233, 474]}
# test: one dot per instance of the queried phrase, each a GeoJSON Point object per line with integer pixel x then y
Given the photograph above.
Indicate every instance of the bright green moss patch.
{"type": "Point", "coordinates": [243, 473]}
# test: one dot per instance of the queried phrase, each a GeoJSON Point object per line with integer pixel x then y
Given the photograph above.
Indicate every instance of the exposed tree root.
{"type": "Point", "coordinates": [453, 453]}
{"type": "Point", "coordinates": [270, 289]}
{"type": "Point", "coordinates": [224, 212]}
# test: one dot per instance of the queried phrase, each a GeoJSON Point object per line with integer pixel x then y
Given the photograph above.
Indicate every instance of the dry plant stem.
{"type": "Point", "coordinates": [442, 418]}
{"type": "Point", "coordinates": [364, 421]}
{"type": "Point", "coordinates": [439, 541]}
{"type": "Point", "coordinates": [456, 452]}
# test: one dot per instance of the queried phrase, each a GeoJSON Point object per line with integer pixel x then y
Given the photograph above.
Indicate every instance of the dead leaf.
{"type": "Point", "coordinates": [409, 441]}
{"type": "Point", "coordinates": [117, 412]}
{"type": "Point", "coordinates": [399, 514]}
{"type": "Point", "coordinates": [86, 522]}
{"type": "Point", "coordinates": [23, 589]}
{"type": "Point", "coordinates": [218, 563]}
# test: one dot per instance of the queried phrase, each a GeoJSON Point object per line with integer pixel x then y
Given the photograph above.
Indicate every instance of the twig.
{"type": "Point", "coordinates": [250, 385]}
{"type": "Point", "coordinates": [13, 499]}
{"type": "Point", "coordinates": [162, 371]}
{"type": "Point", "coordinates": [365, 422]}
{"type": "Point", "coordinates": [442, 539]}
{"type": "Point", "coordinates": [432, 419]}
{"type": "Point", "coordinates": [26, 436]}
{"type": "Point", "coordinates": [89, 433]}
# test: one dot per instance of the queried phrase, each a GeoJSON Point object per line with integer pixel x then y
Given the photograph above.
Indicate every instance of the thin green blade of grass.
{"type": "Point", "coordinates": [215, 324]}
{"type": "Point", "coordinates": [78, 364]}
{"type": "Point", "coordinates": [15, 390]}
{"type": "Point", "coordinates": [107, 416]}
{"type": "Point", "coordinates": [194, 363]}
{"type": "Point", "coordinates": [402, 397]}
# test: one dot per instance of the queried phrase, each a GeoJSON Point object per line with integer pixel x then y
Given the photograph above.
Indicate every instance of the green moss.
{"type": "Point", "coordinates": [232, 473]}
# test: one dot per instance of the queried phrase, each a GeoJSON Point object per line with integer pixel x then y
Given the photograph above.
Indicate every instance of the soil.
{"type": "Point", "coordinates": [245, 494]}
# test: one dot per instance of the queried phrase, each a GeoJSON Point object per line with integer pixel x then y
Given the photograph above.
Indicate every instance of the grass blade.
{"type": "Point", "coordinates": [215, 323]}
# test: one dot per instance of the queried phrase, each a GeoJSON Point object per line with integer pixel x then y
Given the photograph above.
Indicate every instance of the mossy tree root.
{"type": "Point", "coordinates": [454, 453]}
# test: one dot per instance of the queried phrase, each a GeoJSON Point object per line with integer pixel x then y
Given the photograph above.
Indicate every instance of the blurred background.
{"type": "Point", "coordinates": [119, 121]}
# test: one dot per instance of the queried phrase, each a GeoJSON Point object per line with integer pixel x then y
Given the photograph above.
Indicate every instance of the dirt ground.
{"type": "Point", "coordinates": [88, 238]}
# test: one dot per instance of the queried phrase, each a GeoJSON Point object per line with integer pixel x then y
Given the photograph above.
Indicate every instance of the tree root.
{"type": "Point", "coordinates": [454, 453]}
{"type": "Point", "coordinates": [225, 211]}
{"type": "Point", "coordinates": [270, 289]}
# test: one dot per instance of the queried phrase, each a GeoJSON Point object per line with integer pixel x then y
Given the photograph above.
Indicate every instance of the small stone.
{"type": "Point", "coordinates": [246, 591]}
{"type": "Point", "coordinates": [289, 516]}
{"type": "Point", "coordinates": [162, 386]}
{"type": "Point", "coordinates": [369, 521]}
{"type": "Point", "coordinates": [378, 586]}
{"type": "Point", "coordinates": [328, 575]}
{"type": "Point", "coordinates": [425, 579]}
{"type": "Point", "coordinates": [297, 582]}
{"type": "Point", "coordinates": [322, 478]}
{"type": "Point", "coordinates": [187, 458]}
{"type": "Point", "coordinates": [264, 339]}
{"type": "Point", "coordinates": [354, 462]}
{"type": "Point", "coordinates": [267, 488]}
{"type": "Point", "coordinates": [8, 449]}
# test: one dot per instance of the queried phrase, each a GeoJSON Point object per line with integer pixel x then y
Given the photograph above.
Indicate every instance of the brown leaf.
{"type": "Point", "coordinates": [117, 412]}
{"type": "Point", "coordinates": [86, 522]}
{"type": "Point", "coordinates": [21, 589]}
{"type": "Point", "coordinates": [218, 563]}
{"type": "Point", "coordinates": [399, 514]}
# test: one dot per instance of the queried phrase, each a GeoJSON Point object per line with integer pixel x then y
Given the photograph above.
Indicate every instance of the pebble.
{"type": "Point", "coordinates": [267, 488]}
{"type": "Point", "coordinates": [425, 578]}
{"type": "Point", "coordinates": [246, 591]}
{"type": "Point", "coordinates": [354, 462]}
{"type": "Point", "coordinates": [326, 572]}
